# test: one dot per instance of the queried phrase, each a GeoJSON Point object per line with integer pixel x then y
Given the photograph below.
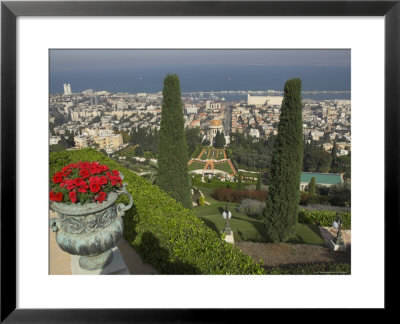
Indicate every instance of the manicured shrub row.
{"type": "Point", "coordinates": [236, 196]}
{"type": "Point", "coordinates": [308, 199]}
{"type": "Point", "coordinates": [211, 183]}
{"type": "Point", "coordinates": [323, 218]}
{"type": "Point", "coordinates": [201, 201]}
{"type": "Point", "coordinates": [312, 269]}
{"type": "Point", "coordinates": [164, 233]}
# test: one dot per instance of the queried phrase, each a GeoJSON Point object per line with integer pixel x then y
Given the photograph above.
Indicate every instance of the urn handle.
{"type": "Point", "coordinates": [55, 224]}
{"type": "Point", "coordinates": [122, 208]}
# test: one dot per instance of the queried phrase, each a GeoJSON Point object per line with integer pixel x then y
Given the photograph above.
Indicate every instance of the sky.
{"type": "Point", "coordinates": [69, 60]}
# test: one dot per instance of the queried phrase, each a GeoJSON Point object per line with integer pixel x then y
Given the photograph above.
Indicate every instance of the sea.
{"type": "Point", "coordinates": [208, 78]}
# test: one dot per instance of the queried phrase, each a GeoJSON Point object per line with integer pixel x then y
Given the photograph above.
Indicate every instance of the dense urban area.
{"type": "Point", "coordinates": [120, 123]}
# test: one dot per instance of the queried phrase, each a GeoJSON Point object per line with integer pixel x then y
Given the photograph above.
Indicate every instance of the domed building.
{"type": "Point", "coordinates": [215, 126]}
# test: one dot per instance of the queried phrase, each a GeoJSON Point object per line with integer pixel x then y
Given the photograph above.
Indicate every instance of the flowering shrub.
{"type": "Point", "coordinates": [230, 195]}
{"type": "Point", "coordinates": [84, 182]}
{"type": "Point", "coordinates": [251, 207]}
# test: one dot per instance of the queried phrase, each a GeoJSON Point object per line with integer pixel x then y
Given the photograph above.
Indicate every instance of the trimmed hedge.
{"type": "Point", "coordinates": [323, 218]}
{"type": "Point", "coordinates": [308, 199]}
{"type": "Point", "coordinates": [312, 269]}
{"type": "Point", "coordinates": [201, 201]}
{"type": "Point", "coordinates": [164, 233]}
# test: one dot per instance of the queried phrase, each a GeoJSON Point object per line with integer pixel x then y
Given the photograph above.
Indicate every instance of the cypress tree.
{"type": "Point", "coordinates": [239, 184]}
{"type": "Point", "coordinates": [258, 185]}
{"type": "Point", "coordinates": [334, 155]}
{"type": "Point", "coordinates": [281, 209]}
{"type": "Point", "coordinates": [219, 140]}
{"type": "Point", "coordinates": [312, 186]}
{"type": "Point", "coordinates": [172, 173]}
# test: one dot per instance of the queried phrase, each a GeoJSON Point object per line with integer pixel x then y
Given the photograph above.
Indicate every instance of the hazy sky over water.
{"type": "Point", "coordinates": [69, 60]}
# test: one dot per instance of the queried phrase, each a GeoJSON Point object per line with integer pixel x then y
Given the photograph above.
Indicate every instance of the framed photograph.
{"type": "Point", "coordinates": [354, 43]}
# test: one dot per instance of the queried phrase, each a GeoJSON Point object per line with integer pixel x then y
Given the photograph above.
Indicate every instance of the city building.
{"type": "Point", "coordinates": [67, 89]}
{"type": "Point", "coordinates": [215, 126]}
{"type": "Point", "coordinates": [107, 140]}
{"type": "Point", "coordinates": [54, 140]}
{"type": "Point", "coordinates": [81, 141]}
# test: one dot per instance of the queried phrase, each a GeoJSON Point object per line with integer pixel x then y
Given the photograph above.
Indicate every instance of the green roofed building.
{"type": "Point", "coordinates": [325, 179]}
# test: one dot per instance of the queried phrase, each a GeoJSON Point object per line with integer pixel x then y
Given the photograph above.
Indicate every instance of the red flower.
{"type": "Point", "coordinates": [94, 184]}
{"type": "Point", "coordinates": [56, 196]}
{"type": "Point", "coordinates": [115, 180]}
{"type": "Point", "coordinates": [70, 184]}
{"type": "Point", "coordinates": [82, 186]}
{"type": "Point", "coordinates": [92, 177]}
{"type": "Point", "coordinates": [101, 197]}
{"type": "Point", "coordinates": [72, 196]}
{"type": "Point", "coordinates": [95, 188]}
{"type": "Point", "coordinates": [58, 177]}
{"type": "Point", "coordinates": [84, 174]}
{"type": "Point", "coordinates": [95, 168]}
{"type": "Point", "coordinates": [84, 165]}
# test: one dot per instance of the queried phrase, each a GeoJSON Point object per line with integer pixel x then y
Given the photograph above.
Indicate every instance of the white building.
{"type": "Point", "coordinates": [54, 140]}
{"type": "Point", "coordinates": [192, 109]}
{"type": "Point", "coordinates": [88, 92]}
{"type": "Point", "coordinates": [216, 125]}
{"type": "Point", "coordinates": [254, 132]}
{"type": "Point", "coordinates": [256, 100]}
{"type": "Point", "coordinates": [81, 141]}
{"type": "Point", "coordinates": [67, 89]}
{"type": "Point", "coordinates": [213, 105]}
{"type": "Point", "coordinates": [274, 100]}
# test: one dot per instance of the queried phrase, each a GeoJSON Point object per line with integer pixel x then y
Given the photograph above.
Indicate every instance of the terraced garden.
{"type": "Point", "coordinates": [223, 166]}
{"type": "Point", "coordinates": [196, 166]}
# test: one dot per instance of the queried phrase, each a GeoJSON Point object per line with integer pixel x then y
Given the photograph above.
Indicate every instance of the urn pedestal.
{"type": "Point", "coordinates": [90, 230]}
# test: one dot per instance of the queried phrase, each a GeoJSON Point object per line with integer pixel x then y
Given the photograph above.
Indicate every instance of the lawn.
{"type": "Point", "coordinates": [196, 165]}
{"type": "Point", "coordinates": [247, 228]}
{"type": "Point", "coordinates": [224, 166]}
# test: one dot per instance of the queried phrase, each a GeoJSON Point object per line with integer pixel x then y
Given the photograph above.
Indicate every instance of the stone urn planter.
{"type": "Point", "coordinates": [90, 230]}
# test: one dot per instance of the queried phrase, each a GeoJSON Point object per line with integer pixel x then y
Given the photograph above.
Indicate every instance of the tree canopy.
{"type": "Point", "coordinates": [172, 174]}
{"type": "Point", "coordinates": [281, 209]}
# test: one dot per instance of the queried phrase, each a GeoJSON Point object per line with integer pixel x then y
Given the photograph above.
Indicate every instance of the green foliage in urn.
{"type": "Point", "coordinates": [283, 199]}
{"type": "Point", "coordinates": [172, 174]}
{"type": "Point", "coordinates": [164, 233]}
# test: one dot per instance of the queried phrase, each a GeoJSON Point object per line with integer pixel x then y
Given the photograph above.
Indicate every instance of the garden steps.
{"type": "Point", "coordinates": [232, 167]}
{"type": "Point", "coordinates": [201, 154]}
{"type": "Point", "coordinates": [209, 165]}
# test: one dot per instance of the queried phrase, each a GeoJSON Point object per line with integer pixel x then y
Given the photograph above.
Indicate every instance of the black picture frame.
{"type": "Point", "coordinates": [10, 10]}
